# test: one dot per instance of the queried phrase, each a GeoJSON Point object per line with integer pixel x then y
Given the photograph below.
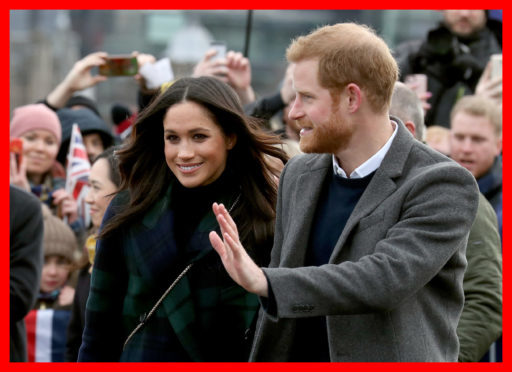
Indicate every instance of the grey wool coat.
{"type": "Point", "coordinates": [392, 290]}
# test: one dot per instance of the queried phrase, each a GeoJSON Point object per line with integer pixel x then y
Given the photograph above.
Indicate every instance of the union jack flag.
{"type": "Point", "coordinates": [77, 173]}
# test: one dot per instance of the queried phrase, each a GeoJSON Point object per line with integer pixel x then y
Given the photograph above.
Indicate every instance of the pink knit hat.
{"type": "Point", "coordinates": [35, 116]}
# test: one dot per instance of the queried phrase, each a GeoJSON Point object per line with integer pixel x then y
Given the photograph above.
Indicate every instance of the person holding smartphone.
{"type": "Point", "coordinates": [159, 292]}
{"type": "Point", "coordinates": [453, 55]}
{"type": "Point", "coordinates": [39, 172]}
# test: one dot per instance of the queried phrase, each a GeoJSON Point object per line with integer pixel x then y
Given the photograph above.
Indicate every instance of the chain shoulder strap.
{"type": "Point", "coordinates": [145, 317]}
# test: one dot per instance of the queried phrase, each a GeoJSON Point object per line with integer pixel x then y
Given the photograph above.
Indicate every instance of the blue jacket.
{"type": "Point", "coordinates": [490, 184]}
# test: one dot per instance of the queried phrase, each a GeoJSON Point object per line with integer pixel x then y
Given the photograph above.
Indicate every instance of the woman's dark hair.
{"type": "Point", "coordinates": [111, 157]}
{"type": "Point", "coordinates": [145, 173]}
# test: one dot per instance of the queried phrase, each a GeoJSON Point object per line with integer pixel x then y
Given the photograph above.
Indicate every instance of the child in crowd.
{"type": "Point", "coordinates": [47, 323]}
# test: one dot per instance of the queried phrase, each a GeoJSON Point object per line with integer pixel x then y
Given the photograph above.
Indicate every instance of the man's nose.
{"type": "Point", "coordinates": [467, 145]}
{"type": "Point", "coordinates": [296, 110]}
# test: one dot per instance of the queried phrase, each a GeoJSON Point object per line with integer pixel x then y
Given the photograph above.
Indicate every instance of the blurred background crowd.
{"type": "Point", "coordinates": [46, 43]}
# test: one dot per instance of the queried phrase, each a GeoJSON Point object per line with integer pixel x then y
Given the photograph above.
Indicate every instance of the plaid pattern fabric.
{"type": "Point", "coordinates": [206, 317]}
{"type": "Point", "coordinates": [44, 191]}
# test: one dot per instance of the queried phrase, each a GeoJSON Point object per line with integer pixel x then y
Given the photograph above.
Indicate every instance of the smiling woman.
{"type": "Point", "coordinates": [104, 182]}
{"type": "Point", "coordinates": [39, 172]}
{"type": "Point", "coordinates": [195, 147]}
{"type": "Point", "coordinates": [39, 128]}
{"type": "Point", "coordinates": [191, 147]}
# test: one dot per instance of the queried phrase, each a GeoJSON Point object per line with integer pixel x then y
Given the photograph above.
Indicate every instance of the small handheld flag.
{"type": "Point", "coordinates": [77, 173]}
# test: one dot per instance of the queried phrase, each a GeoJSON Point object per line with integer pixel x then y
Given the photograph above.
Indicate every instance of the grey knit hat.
{"type": "Point", "coordinates": [58, 238]}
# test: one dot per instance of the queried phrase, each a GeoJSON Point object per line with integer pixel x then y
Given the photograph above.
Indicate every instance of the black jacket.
{"type": "Point", "coordinates": [77, 321]}
{"type": "Point", "coordinates": [26, 262]}
{"type": "Point", "coordinates": [452, 64]}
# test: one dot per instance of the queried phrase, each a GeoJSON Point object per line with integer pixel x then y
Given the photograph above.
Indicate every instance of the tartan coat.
{"type": "Point", "coordinates": [206, 317]}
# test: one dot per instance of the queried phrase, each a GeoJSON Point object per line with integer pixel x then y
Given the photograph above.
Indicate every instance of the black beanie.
{"type": "Point", "coordinates": [83, 101]}
{"type": "Point", "coordinates": [88, 123]}
{"type": "Point", "coordinates": [120, 113]}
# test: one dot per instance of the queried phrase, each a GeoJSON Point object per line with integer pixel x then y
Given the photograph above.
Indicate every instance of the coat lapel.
{"type": "Point", "coordinates": [304, 202]}
{"type": "Point", "coordinates": [152, 242]}
{"type": "Point", "coordinates": [382, 184]}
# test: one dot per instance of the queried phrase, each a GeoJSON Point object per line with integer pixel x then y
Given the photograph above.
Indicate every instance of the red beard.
{"type": "Point", "coordinates": [328, 137]}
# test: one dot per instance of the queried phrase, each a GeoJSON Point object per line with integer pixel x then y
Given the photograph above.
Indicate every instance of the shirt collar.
{"type": "Point", "coordinates": [371, 164]}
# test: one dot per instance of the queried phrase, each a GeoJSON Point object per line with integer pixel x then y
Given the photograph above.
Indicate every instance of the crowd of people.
{"type": "Point", "coordinates": [348, 217]}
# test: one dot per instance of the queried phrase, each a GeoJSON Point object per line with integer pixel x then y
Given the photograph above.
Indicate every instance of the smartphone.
{"type": "Point", "coordinates": [16, 147]}
{"type": "Point", "coordinates": [221, 49]}
{"type": "Point", "coordinates": [417, 82]}
{"type": "Point", "coordinates": [496, 66]}
{"type": "Point", "coordinates": [119, 65]}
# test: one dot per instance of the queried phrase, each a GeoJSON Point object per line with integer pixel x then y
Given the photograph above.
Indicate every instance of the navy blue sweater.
{"type": "Point", "coordinates": [337, 201]}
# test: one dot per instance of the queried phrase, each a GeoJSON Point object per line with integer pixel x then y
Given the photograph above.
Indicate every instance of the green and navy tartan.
{"type": "Point", "coordinates": [206, 317]}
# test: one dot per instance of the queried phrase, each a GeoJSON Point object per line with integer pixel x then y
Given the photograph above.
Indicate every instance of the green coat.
{"type": "Point", "coordinates": [480, 321]}
{"type": "Point", "coordinates": [206, 317]}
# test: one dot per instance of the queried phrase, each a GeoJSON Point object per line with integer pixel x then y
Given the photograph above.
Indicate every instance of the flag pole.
{"type": "Point", "coordinates": [248, 29]}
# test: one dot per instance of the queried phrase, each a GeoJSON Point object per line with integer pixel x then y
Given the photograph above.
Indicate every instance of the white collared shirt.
{"type": "Point", "coordinates": [371, 164]}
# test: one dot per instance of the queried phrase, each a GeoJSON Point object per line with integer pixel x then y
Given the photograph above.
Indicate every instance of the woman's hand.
{"type": "Point", "coordinates": [78, 78]}
{"type": "Point", "coordinates": [209, 66]}
{"type": "Point", "coordinates": [66, 296]}
{"type": "Point", "coordinates": [489, 87]}
{"type": "Point", "coordinates": [18, 174]}
{"type": "Point", "coordinates": [66, 204]}
{"type": "Point", "coordinates": [239, 76]}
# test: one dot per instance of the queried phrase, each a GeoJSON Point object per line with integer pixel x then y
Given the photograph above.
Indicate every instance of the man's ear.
{"type": "Point", "coordinates": [411, 127]}
{"type": "Point", "coordinates": [499, 145]}
{"type": "Point", "coordinates": [354, 95]}
{"type": "Point", "coordinates": [231, 141]}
